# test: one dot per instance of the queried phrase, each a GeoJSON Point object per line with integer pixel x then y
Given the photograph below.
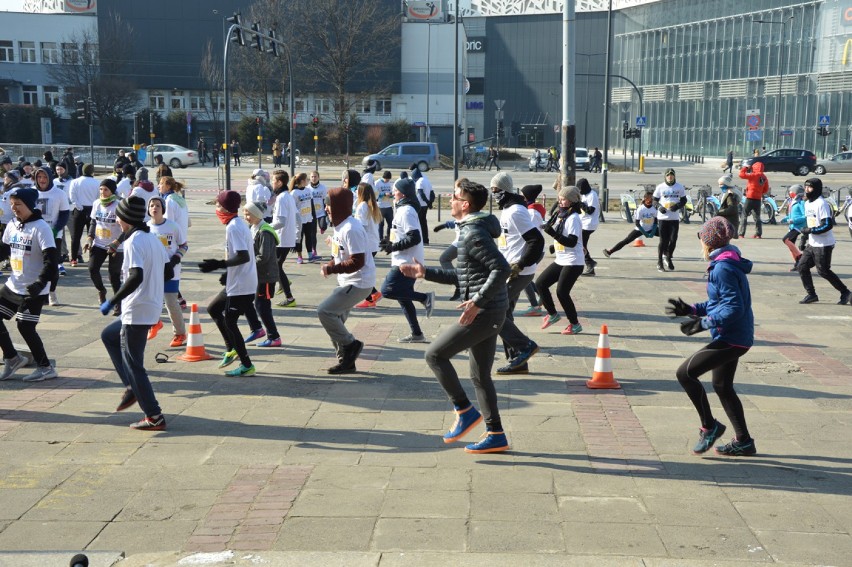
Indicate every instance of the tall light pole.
{"type": "Point", "coordinates": [607, 101]}
{"type": "Point", "coordinates": [588, 57]}
{"type": "Point", "coordinates": [456, 124]}
{"type": "Point", "coordinates": [779, 109]}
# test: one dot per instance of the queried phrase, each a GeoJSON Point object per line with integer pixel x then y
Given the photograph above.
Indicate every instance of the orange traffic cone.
{"type": "Point", "coordinates": [638, 243]}
{"type": "Point", "coordinates": [602, 377]}
{"type": "Point", "coordinates": [195, 341]}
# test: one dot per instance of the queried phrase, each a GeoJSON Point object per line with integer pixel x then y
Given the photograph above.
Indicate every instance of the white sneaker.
{"type": "Point", "coordinates": [412, 339]}
{"type": "Point", "coordinates": [52, 299]}
{"type": "Point", "coordinates": [11, 365]}
{"type": "Point", "coordinates": [41, 373]}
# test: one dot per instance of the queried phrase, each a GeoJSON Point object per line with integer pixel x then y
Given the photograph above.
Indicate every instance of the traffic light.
{"type": "Point", "coordinates": [258, 39]}
{"type": "Point", "coordinates": [315, 120]}
{"type": "Point", "coordinates": [823, 131]}
{"type": "Point", "coordinates": [625, 130]}
{"type": "Point", "coordinates": [238, 32]}
{"type": "Point", "coordinates": [273, 45]}
{"type": "Point", "coordinates": [461, 130]}
{"type": "Point", "coordinates": [82, 109]}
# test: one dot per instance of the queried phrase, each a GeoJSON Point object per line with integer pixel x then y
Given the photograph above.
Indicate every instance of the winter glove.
{"type": "Point", "coordinates": [549, 230]}
{"type": "Point", "coordinates": [662, 209]}
{"type": "Point", "coordinates": [175, 260]}
{"type": "Point", "coordinates": [678, 308]}
{"type": "Point", "coordinates": [112, 248]}
{"type": "Point", "coordinates": [585, 208]}
{"type": "Point", "coordinates": [168, 271]}
{"type": "Point", "coordinates": [806, 230]}
{"type": "Point", "coordinates": [386, 246]}
{"type": "Point", "coordinates": [692, 326]}
{"type": "Point", "coordinates": [34, 289]}
{"type": "Point", "coordinates": [106, 307]}
{"type": "Point", "coordinates": [209, 264]}
{"type": "Point", "coordinates": [552, 249]}
{"type": "Point", "coordinates": [223, 279]}
{"type": "Point", "coordinates": [439, 228]}
{"type": "Point", "coordinates": [515, 270]}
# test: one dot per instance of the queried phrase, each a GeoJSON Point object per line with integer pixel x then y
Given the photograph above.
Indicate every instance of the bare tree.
{"type": "Point", "coordinates": [88, 59]}
{"type": "Point", "coordinates": [211, 77]}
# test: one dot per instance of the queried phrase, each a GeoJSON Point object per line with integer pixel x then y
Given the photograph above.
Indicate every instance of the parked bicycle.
{"type": "Point", "coordinates": [628, 205]}
{"type": "Point", "coordinates": [707, 204]}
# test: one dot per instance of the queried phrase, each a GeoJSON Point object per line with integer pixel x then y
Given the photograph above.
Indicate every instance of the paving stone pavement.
{"type": "Point", "coordinates": [296, 467]}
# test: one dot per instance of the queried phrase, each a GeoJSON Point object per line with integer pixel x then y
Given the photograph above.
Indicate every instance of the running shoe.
{"type": "Point", "coordinates": [41, 373]}
{"type": "Point", "coordinates": [299, 260]}
{"type": "Point", "coordinates": [241, 371]}
{"type": "Point", "coordinates": [155, 328]}
{"type": "Point", "coordinates": [128, 398]}
{"type": "Point", "coordinates": [532, 311]}
{"type": "Point", "coordinates": [178, 341]}
{"type": "Point", "coordinates": [228, 358]}
{"type": "Point", "coordinates": [289, 302]}
{"type": "Point", "coordinates": [737, 448]}
{"type": "Point", "coordinates": [466, 420]}
{"type": "Point", "coordinates": [256, 334]}
{"type": "Point", "coordinates": [269, 343]}
{"type": "Point", "coordinates": [429, 303]}
{"type": "Point", "coordinates": [150, 424]}
{"type": "Point", "coordinates": [573, 329]}
{"type": "Point", "coordinates": [550, 320]}
{"type": "Point", "coordinates": [366, 304]}
{"type": "Point", "coordinates": [412, 338]}
{"type": "Point", "coordinates": [707, 437]}
{"type": "Point", "coordinates": [607, 253]}
{"type": "Point", "coordinates": [11, 365]}
{"type": "Point", "coordinates": [492, 442]}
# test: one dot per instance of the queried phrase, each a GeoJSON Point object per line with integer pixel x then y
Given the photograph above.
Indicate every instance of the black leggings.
{"type": "Point", "coordinates": [819, 257]}
{"type": "Point", "coordinates": [27, 328]}
{"type": "Point", "coordinates": [387, 221]}
{"type": "Point", "coordinates": [225, 311]}
{"type": "Point", "coordinates": [721, 358]}
{"type": "Point", "coordinates": [263, 308]}
{"type": "Point", "coordinates": [97, 257]}
{"type": "Point", "coordinates": [566, 276]}
{"type": "Point", "coordinates": [634, 234]}
{"type": "Point", "coordinates": [283, 280]}
{"type": "Point", "coordinates": [668, 238]}
{"type": "Point", "coordinates": [588, 257]}
{"type": "Point", "coordinates": [309, 237]}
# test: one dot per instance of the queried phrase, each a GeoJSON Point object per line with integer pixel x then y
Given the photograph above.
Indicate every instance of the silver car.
{"type": "Point", "coordinates": [839, 163]}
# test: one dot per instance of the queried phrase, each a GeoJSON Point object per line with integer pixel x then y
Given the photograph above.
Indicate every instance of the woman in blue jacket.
{"type": "Point", "coordinates": [727, 315]}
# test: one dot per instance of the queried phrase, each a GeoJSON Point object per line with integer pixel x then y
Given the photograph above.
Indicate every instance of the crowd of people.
{"type": "Point", "coordinates": [141, 231]}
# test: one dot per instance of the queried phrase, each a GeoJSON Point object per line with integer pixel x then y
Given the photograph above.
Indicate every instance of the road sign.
{"type": "Point", "coordinates": [556, 128]}
{"type": "Point", "coordinates": [641, 121]}
{"type": "Point", "coordinates": [754, 135]}
{"type": "Point", "coordinates": [753, 122]}
{"type": "Point", "coordinates": [786, 132]}
{"type": "Point", "coordinates": [824, 120]}
{"type": "Point", "coordinates": [499, 103]}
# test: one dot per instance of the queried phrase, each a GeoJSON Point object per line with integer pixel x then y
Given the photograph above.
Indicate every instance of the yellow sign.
{"type": "Point", "coordinates": [153, 135]}
{"type": "Point", "coordinates": [316, 138]}
{"type": "Point", "coordinates": [846, 49]}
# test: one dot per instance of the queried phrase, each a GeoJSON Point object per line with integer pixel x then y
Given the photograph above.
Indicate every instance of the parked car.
{"type": "Point", "coordinates": [581, 160]}
{"type": "Point", "coordinates": [838, 163]}
{"type": "Point", "coordinates": [174, 155]}
{"type": "Point", "coordinates": [797, 162]}
{"type": "Point", "coordinates": [403, 154]}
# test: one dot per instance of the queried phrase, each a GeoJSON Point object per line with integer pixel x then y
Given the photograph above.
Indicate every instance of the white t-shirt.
{"type": "Point", "coordinates": [319, 194]}
{"type": "Point", "coordinates": [242, 279]}
{"type": "Point", "coordinates": [26, 258]}
{"type": "Point", "coordinates": [106, 226]}
{"type": "Point", "coordinates": [83, 191]}
{"type": "Point", "coordinates": [590, 222]}
{"type": "Point", "coordinates": [668, 197]}
{"type": "Point", "coordinates": [144, 305]}
{"type": "Point", "coordinates": [369, 178]}
{"type": "Point", "coordinates": [258, 193]}
{"type": "Point", "coordinates": [284, 212]}
{"type": "Point", "coordinates": [384, 193]}
{"type": "Point", "coordinates": [50, 203]}
{"type": "Point", "coordinates": [424, 184]}
{"type": "Point", "coordinates": [177, 211]}
{"type": "Point", "coordinates": [122, 188]}
{"type": "Point", "coordinates": [571, 256]}
{"type": "Point", "coordinates": [349, 238]}
{"type": "Point", "coordinates": [536, 218]}
{"type": "Point", "coordinates": [171, 235]}
{"type": "Point", "coordinates": [816, 212]}
{"type": "Point", "coordinates": [304, 202]}
{"type": "Point", "coordinates": [515, 221]}
{"type": "Point", "coordinates": [62, 184]}
{"type": "Point", "coordinates": [405, 219]}
{"type": "Point", "coordinates": [145, 196]}
{"type": "Point", "coordinates": [645, 216]}
{"type": "Point", "coordinates": [371, 227]}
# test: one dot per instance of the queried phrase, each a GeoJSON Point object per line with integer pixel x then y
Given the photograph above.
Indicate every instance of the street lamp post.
{"type": "Point", "coordinates": [588, 57]}
{"type": "Point", "coordinates": [778, 109]}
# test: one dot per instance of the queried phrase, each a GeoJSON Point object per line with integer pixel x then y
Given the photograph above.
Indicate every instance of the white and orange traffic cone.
{"type": "Point", "coordinates": [638, 243]}
{"type": "Point", "coordinates": [195, 351]}
{"type": "Point", "coordinates": [602, 377]}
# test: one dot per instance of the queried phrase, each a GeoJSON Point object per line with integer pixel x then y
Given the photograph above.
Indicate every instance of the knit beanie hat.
{"type": "Point", "coordinates": [230, 201]}
{"type": "Point", "coordinates": [142, 174]}
{"type": "Point", "coordinates": [5, 159]}
{"type": "Point", "coordinates": [14, 175]}
{"type": "Point", "coordinates": [88, 170]}
{"type": "Point", "coordinates": [109, 184]}
{"type": "Point", "coordinates": [340, 204]}
{"type": "Point", "coordinates": [406, 187]}
{"type": "Point", "coordinates": [531, 192]}
{"type": "Point", "coordinates": [583, 186]}
{"type": "Point", "coordinates": [371, 166]}
{"type": "Point", "coordinates": [716, 232]}
{"type": "Point", "coordinates": [503, 182]}
{"type": "Point", "coordinates": [132, 211]}
{"type": "Point", "coordinates": [571, 193]}
{"type": "Point", "coordinates": [128, 170]}
{"type": "Point", "coordinates": [726, 181]}
{"type": "Point", "coordinates": [161, 200]}
{"type": "Point", "coordinates": [27, 195]}
{"type": "Point", "coordinates": [257, 209]}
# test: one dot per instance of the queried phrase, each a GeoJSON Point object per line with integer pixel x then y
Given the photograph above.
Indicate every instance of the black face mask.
{"type": "Point", "coordinates": [813, 194]}
{"type": "Point", "coordinates": [502, 198]}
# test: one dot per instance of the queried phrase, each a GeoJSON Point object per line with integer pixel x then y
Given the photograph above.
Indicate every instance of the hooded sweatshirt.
{"type": "Point", "coordinates": [757, 185]}
{"type": "Point", "coordinates": [728, 305]}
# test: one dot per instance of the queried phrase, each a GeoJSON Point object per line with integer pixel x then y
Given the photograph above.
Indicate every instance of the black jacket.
{"type": "Point", "coordinates": [481, 270]}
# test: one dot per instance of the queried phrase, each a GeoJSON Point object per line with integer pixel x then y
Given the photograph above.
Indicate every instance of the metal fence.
{"type": "Point", "coordinates": [101, 156]}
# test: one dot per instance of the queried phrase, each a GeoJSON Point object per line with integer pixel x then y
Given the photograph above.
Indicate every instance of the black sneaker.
{"type": "Point", "coordinates": [809, 298]}
{"type": "Point", "coordinates": [669, 264]}
{"type": "Point", "coordinates": [706, 438]}
{"type": "Point", "coordinates": [844, 297]}
{"type": "Point", "coordinates": [660, 267]}
{"type": "Point", "coordinates": [588, 272]}
{"type": "Point", "coordinates": [607, 253]}
{"type": "Point", "coordinates": [737, 448]}
{"type": "Point", "coordinates": [510, 369]}
{"type": "Point", "coordinates": [342, 368]}
{"type": "Point", "coordinates": [128, 398]}
{"type": "Point", "coordinates": [456, 295]}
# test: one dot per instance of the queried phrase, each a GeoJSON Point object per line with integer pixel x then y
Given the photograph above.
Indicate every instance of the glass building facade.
{"type": "Point", "coordinates": [742, 75]}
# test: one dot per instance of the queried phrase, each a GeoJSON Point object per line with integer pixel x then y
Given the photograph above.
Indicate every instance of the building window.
{"type": "Point", "coordinates": [49, 53]}
{"type": "Point", "coordinates": [70, 56]}
{"type": "Point", "coordinates": [362, 106]}
{"type": "Point", "coordinates": [28, 51]}
{"type": "Point", "coordinates": [238, 104]}
{"type": "Point", "coordinates": [300, 105]}
{"type": "Point", "coordinates": [220, 104]}
{"type": "Point", "coordinates": [177, 100]}
{"type": "Point", "coordinates": [277, 106]}
{"type": "Point", "coordinates": [30, 95]}
{"type": "Point", "coordinates": [383, 106]}
{"type": "Point", "coordinates": [324, 106]}
{"type": "Point", "coordinates": [156, 100]}
{"type": "Point", "coordinates": [7, 51]}
{"type": "Point", "coordinates": [196, 102]}
{"type": "Point", "coordinates": [51, 96]}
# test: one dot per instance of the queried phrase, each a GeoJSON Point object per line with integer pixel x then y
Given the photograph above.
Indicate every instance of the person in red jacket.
{"type": "Point", "coordinates": [757, 185]}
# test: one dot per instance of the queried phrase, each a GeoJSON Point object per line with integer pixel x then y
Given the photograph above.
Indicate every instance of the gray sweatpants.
{"type": "Point", "coordinates": [334, 310]}
{"type": "Point", "coordinates": [514, 340]}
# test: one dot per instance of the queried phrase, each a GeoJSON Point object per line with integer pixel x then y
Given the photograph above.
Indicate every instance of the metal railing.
{"type": "Point", "coordinates": [101, 156]}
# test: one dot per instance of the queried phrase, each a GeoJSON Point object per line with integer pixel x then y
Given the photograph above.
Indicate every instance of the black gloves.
{"type": "Point", "coordinates": [674, 207]}
{"type": "Point", "coordinates": [175, 260]}
{"type": "Point", "coordinates": [386, 246]}
{"type": "Point", "coordinates": [806, 230]}
{"type": "Point", "coordinates": [209, 264]}
{"type": "Point", "coordinates": [439, 227]}
{"type": "Point", "coordinates": [662, 209]}
{"type": "Point", "coordinates": [223, 279]}
{"type": "Point", "coordinates": [691, 327]}
{"type": "Point", "coordinates": [168, 271]}
{"type": "Point", "coordinates": [552, 249]}
{"type": "Point", "coordinates": [584, 207]}
{"type": "Point", "coordinates": [35, 288]}
{"type": "Point", "coordinates": [678, 308]}
{"type": "Point", "coordinates": [549, 230]}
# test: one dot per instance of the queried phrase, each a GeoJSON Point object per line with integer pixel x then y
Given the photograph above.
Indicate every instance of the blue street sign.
{"type": "Point", "coordinates": [641, 121]}
{"type": "Point", "coordinates": [786, 132]}
{"type": "Point", "coordinates": [754, 135]}
{"type": "Point", "coordinates": [824, 120]}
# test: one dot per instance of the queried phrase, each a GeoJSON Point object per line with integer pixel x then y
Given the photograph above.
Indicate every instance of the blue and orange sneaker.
{"type": "Point", "coordinates": [491, 442]}
{"type": "Point", "coordinates": [466, 420]}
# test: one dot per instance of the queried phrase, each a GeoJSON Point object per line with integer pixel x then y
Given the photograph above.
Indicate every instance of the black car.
{"type": "Point", "coordinates": [797, 162]}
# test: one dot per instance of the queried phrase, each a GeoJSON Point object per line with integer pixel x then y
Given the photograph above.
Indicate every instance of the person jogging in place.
{"type": "Point", "coordinates": [144, 270]}
{"type": "Point", "coordinates": [356, 274]}
{"type": "Point", "coordinates": [522, 244]}
{"type": "Point", "coordinates": [670, 197]}
{"type": "Point", "coordinates": [820, 222]}
{"type": "Point", "coordinates": [728, 316]}
{"type": "Point", "coordinates": [645, 222]}
{"type": "Point", "coordinates": [34, 258]}
{"type": "Point", "coordinates": [590, 217]}
{"type": "Point", "coordinates": [384, 195]}
{"type": "Point", "coordinates": [287, 223]}
{"type": "Point", "coordinates": [730, 202]}
{"type": "Point", "coordinates": [367, 212]}
{"type": "Point", "coordinates": [264, 254]}
{"type": "Point", "coordinates": [103, 231]}
{"type": "Point", "coordinates": [56, 210]}
{"type": "Point", "coordinates": [173, 238]}
{"type": "Point", "coordinates": [240, 281]}
{"type": "Point", "coordinates": [798, 220]}
{"type": "Point", "coordinates": [481, 272]}
{"type": "Point", "coordinates": [757, 185]}
{"type": "Point", "coordinates": [537, 213]}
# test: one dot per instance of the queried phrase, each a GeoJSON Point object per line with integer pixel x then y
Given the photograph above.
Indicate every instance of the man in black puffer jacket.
{"type": "Point", "coordinates": [481, 273]}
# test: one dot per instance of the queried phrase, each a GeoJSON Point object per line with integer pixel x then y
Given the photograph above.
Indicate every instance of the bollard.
{"type": "Point", "coordinates": [439, 208]}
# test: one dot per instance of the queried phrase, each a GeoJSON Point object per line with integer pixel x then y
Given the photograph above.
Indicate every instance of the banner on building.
{"type": "Point", "coordinates": [424, 10]}
{"type": "Point", "coordinates": [81, 6]}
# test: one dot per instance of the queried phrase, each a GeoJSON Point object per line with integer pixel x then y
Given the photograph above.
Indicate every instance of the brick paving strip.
{"type": "Point", "coordinates": [249, 513]}
{"type": "Point", "coordinates": [374, 337]}
{"type": "Point", "coordinates": [822, 368]}
{"type": "Point", "coordinates": [614, 437]}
